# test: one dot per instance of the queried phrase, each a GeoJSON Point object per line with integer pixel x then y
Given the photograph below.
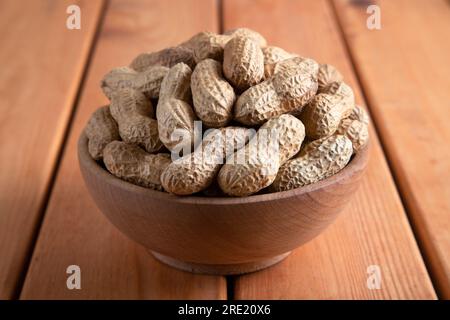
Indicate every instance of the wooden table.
{"type": "Point", "coordinates": [399, 221]}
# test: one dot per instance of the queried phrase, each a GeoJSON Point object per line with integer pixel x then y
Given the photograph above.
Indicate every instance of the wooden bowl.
{"type": "Point", "coordinates": [220, 235]}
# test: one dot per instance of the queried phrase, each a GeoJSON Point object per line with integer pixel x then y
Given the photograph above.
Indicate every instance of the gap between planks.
{"type": "Point", "coordinates": [389, 158]}
{"type": "Point", "coordinates": [160, 280]}
{"type": "Point", "coordinates": [41, 216]}
{"type": "Point", "coordinates": [400, 290]}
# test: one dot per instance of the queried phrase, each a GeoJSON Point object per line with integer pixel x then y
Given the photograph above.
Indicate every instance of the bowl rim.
{"type": "Point", "coordinates": [357, 163]}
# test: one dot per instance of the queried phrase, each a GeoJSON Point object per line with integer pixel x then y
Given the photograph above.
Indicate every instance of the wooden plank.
{"type": "Point", "coordinates": [43, 63]}
{"type": "Point", "coordinates": [404, 69]}
{"type": "Point", "coordinates": [374, 229]}
{"type": "Point", "coordinates": [74, 230]}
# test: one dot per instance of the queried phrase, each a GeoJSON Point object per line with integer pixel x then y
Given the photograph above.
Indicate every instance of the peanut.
{"type": "Point", "coordinates": [195, 172]}
{"type": "Point", "coordinates": [258, 169]}
{"type": "Point", "coordinates": [101, 129]}
{"type": "Point", "coordinates": [174, 113]}
{"type": "Point", "coordinates": [212, 95]}
{"type": "Point", "coordinates": [289, 63]}
{"type": "Point", "coordinates": [209, 45]}
{"type": "Point", "coordinates": [147, 81]}
{"type": "Point", "coordinates": [319, 161]}
{"type": "Point", "coordinates": [131, 163]}
{"type": "Point", "coordinates": [309, 125]}
{"type": "Point", "coordinates": [167, 57]}
{"type": "Point", "coordinates": [327, 75]}
{"type": "Point", "coordinates": [243, 62]}
{"type": "Point", "coordinates": [273, 55]}
{"type": "Point", "coordinates": [133, 112]}
{"type": "Point", "coordinates": [248, 33]}
{"type": "Point", "coordinates": [356, 131]}
{"type": "Point", "coordinates": [358, 113]}
{"type": "Point", "coordinates": [117, 78]}
{"type": "Point", "coordinates": [289, 89]}
{"type": "Point", "coordinates": [322, 115]}
{"type": "Point", "coordinates": [344, 92]}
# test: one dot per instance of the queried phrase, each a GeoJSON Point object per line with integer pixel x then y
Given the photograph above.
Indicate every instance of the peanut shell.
{"type": "Point", "coordinates": [130, 163]}
{"type": "Point", "coordinates": [248, 33]}
{"type": "Point", "coordinates": [255, 167]}
{"type": "Point", "coordinates": [213, 97]}
{"type": "Point", "coordinates": [322, 115]}
{"type": "Point", "coordinates": [174, 113]}
{"type": "Point", "coordinates": [356, 131]}
{"type": "Point", "coordinates": [358, 113]}
{"type": "Point", "coordinates": [195, 172]}
{"type": "Point", "coordinates": [148, 81]}
{"type": "Point", "coordinates": [321, 161]}
{"type": "Point", "coordinates": [243, 63]}
{"type": "Point", "coordinates": [327, 75]}
{"type": "Point", "coordinates": [100, 130]}
{"type": "Point", "coordinates": [289, 89]}
{"type": "Point", "coordinates": [167, 57]}
{"type": "Point", "coordinates": [344, 92]}
{"type": "Point", "coordinates": [133, 112]}
{"type": "Point", "coordinates": [273, 55]}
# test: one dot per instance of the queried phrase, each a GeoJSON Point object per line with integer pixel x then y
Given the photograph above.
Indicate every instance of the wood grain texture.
{"type": "Point", "coordinates": [405, 71]}
{"type": "Point", "coordinates": [374, 229]}
{"type": "Point", "coordinates": [74, 230]}
{"type": "Point", "coordinates": [42, 66]}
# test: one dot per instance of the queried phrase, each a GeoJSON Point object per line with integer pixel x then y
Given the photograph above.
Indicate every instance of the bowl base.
{"type": "Point", "coordinates": [219, 269]}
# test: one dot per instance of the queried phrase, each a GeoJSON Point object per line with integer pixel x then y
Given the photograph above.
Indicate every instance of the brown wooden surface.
{"type": "Point", "coordinates": [374, 230]}
{"type": "Point", "coordinates": [74, 231]}
{"type": "Point", "coordinates": [42, 65]}
{"type": "Point", "coordinates": [405, 72]}
{"type": "Point", "coordinates": [403, 69]}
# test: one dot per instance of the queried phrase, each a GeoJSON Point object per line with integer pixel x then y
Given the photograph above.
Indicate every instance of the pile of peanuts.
{"type": "Point", "coordinates": [241, 90]}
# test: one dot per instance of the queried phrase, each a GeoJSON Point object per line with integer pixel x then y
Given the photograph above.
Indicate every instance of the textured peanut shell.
{"type": "Point", "coordinates": [327, 75]}
{"type": "Point", "coordinates": [210, 45]}
{"type": "Point", "coordinates": [130, 163]}
{"type": "Point", "coordinates": [167, 57]}
{"type": "Point", "coordinates": [273, 55]}
{"type": "Point", "coordinates": [322, 116]}
{"type": "Point", "coordinates": [195, 172]}
{"type": "Point", "coordinates": [100, 130]}
{"type": "Point", "coordinates": [174, 113]}
{"type": "Point", "coordinates": [117, 78]}
{"type": "Point", "coordinates": [133, 112]}
{"type": "Point", "coordinates": [213, 97]}
{"type": "Point", "coordinates": [207, 45]}
{"type": "Point", "coordinates": [243, 63]}
{"type": "Point", "coordinates": [260, 168]}
{"type": "Point", "coordinates": [344, 92]}
{"type": "Point", "coordinates": [142, 131]}
{"type": "Point", "coordinates": [148, 81]}
{"type": "Point", "coordinates": [293, 62]}
{"type": "Point", "coordinates": [248, 33]}
{"type": "Point", "coordinates": [356, 131]}
{"type": "Point", "coordinates": [127, 101]}
{"type": "Point", "coordinates": [288, 90]}
{"type": "Point", "coordinates": [358, 113]}
{"type": "Point", "coordinates": [327, 158]}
